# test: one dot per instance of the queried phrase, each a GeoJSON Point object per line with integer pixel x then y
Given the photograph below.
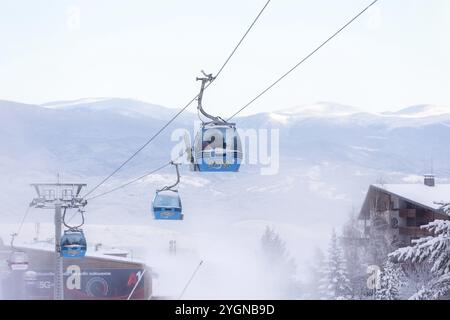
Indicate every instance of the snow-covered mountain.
{"type": "Point", "coordinates": [90, 137]}
{"type": "Point", "coordinates": [403, 141]}
{"type": "Point", "coordinates": [329, 154]}
{"type": "Point", "coordinates": [125, 107]}
{"type": "Point", "coordinates": [321, 109]}
{"type": "Point", "coordinates": [407, 117]}
{"type": "Point", "coordinates": [421, 111]}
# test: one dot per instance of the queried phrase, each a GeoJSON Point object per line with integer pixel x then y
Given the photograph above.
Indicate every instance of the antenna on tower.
{"type": "Point", "coordinates": [37, 228]}
{"type": "Point", "coordinates": [432, 165]}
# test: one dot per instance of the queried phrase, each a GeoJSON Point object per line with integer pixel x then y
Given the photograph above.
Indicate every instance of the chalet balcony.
{"type": "Point", "coordinates": [413, 232]}
{"type": "Point", "coordinates": [425, 216]}
{"type": "Point", "coordinates": [430, 216]}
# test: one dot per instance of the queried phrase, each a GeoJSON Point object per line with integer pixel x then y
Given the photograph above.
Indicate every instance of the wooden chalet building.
{"type": "Point", "coordinates": [395, 212]}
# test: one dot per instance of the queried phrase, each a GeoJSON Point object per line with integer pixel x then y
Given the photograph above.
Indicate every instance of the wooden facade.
{"type": "Point", "coordinates": [396, 218]}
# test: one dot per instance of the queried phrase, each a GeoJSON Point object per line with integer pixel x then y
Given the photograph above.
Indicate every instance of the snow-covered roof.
{"type": "Point", "coordinates": [420, 193]}
{"type": "Point", "coordinates": [91, 253]}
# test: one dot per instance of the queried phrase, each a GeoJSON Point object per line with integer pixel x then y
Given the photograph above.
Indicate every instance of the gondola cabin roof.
{"type": "Point", "coordinates": [167, 198]}
{"type": "Point", "coordinates": [219, 126]}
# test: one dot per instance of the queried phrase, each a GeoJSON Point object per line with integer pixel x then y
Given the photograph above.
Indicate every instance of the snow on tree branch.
{"type": "Point", "coordinates": [433, 250]}
{"type": "Point", "coordinates": [444, 206]}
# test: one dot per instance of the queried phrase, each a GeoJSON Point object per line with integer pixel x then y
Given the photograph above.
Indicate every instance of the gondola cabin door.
{"type": "Point", "coordinates": [218, 149]}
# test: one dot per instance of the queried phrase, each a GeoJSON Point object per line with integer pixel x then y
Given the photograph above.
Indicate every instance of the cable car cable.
{"type": "Point", "coordinates": [21, 224]}
{"type": "Point", "coordinates": [242, 39]}
{"type": "Point", "coordinates": [18, 258]}
{"type": "Point", "coordinates": [23, 220]}
{"type": "Point", "coordinates": [211, 78]}
{"type": "Point", "coordinates": [128, 183]}
{"type": "Point", "coordinates": [180, 111]}
{"type": "Point", "coordinates": [304, 59]}
{"type": "Point", "coordinates": [139, 150]}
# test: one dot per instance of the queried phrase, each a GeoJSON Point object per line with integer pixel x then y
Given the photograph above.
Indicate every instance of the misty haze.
{"type": "Point", "coordinates": [333, 183]}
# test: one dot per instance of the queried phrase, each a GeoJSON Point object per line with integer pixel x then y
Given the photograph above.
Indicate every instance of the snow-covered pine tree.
{"type": "Point", "coordinates": [281, 267]}
{"type": "Point", "coordinates": [445, 207]}
{"type": "Point", "coordinates": [391, 280]}
{"type": "Point", "coordinates": [432, 251]}
{"type": "Point", "coordinates": [335, 283]}
{"type": "Point", "coordinates": [355, 253]}
{"type": "Point", "coordinates": [315, 269]}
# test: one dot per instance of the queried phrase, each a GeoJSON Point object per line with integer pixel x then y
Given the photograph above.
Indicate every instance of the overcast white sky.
{"type": "Point", "coordinates": [395, 56]}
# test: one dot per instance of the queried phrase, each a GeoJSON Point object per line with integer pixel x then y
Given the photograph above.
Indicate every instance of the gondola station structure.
{"type": "Point", "coordinates": [100, 275]}
{"type": "Point", "coordinates": [68, 271]}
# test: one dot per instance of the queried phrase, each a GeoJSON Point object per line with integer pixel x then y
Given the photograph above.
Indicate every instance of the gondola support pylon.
{"type": "Point", "coordinates": [57, 196]}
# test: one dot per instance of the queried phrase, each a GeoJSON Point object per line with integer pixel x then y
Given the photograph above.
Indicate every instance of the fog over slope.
{"type": "Point", "coordinates": [329, 154]}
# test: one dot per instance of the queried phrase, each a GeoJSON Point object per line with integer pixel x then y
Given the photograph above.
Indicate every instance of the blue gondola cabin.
{"type": "Point", "coordinates": [73, 244]}
{"type": "Point", "coordinates": [167, 205]}
{"type": "Point", "coordinates": [217, 148]}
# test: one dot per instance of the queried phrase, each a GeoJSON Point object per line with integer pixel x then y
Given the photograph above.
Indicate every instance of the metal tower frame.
{"type": "Point", "coordinates": [57, 196]}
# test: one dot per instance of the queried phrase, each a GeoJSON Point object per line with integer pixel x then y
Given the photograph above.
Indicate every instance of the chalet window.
{"type": "Point", "coordinates": [421, 221]}
{"type": "Point", "coordinates": [410, 222]}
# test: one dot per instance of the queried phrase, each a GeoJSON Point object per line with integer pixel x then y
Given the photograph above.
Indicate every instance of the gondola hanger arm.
{"type": "Point", "coordinates": [178, 178]}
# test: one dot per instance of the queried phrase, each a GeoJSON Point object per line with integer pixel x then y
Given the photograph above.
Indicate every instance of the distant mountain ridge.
{"type": "Point", "coordinates": [105, 130]}
{"type": "Point", "coordinates": [422, 110]}
{"type": "Point", "coordinates": [317, 109]}
{"type": "Point", "coordinates": [120, 106]}
{"type": "Point", "coordinates": [329, 155]}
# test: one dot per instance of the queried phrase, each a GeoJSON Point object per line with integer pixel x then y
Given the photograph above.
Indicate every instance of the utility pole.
{"type": "Point", "coordinates": [59, 278]}
{"type": "Point", "coordinates": [37, 228]}
{"type": "Point", "coordinates": [58, 196]}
